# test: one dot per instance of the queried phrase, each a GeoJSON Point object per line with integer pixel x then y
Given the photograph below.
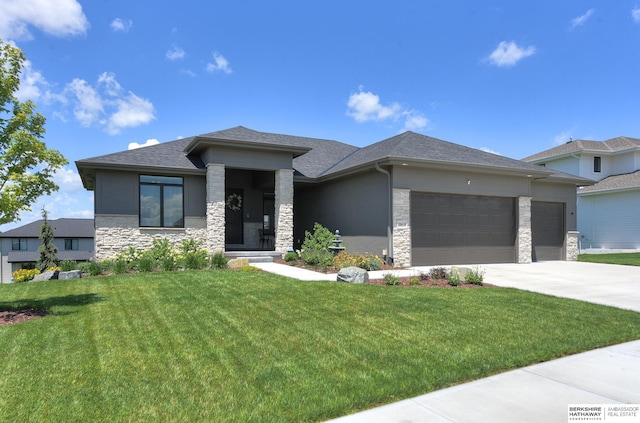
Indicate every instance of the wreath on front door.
{"type": "Point", "coordinates": [234, 202]}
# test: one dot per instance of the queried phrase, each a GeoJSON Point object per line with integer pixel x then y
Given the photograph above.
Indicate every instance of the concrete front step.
{"type": "Point", "coordinates": [254, 256]}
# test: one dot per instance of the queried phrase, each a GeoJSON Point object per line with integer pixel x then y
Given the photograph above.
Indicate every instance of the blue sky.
{"type": "Point", "coordinates": [513, 78]}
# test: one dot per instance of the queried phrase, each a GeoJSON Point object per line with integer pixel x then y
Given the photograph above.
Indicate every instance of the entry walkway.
{"type": "Point", "coordinates": [541, 392]}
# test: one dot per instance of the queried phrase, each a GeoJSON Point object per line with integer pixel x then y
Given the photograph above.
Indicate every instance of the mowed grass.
{"type": "Point", "coordinates": [629, 259]}
{"type": "Point", "coordinates": [244, 346]}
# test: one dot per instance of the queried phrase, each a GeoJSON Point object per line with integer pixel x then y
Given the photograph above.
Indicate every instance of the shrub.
{"type": "Point", "coordinates": [193, 255]}
{"type": "Point", "coordinates": [119, 265]}
{"type": "Point", "coordinates": [369, 262]}
{"type": "Point", "coordinates": [391, 279]}
{"type": "Point", "coordinates": [414, 281]}
{"type": "Point", "coordinates": [91, 267]}
{"type": "Point", "coordinates": [68, 265]}
{"type": "Point", "coordinates": [24, 275]}
{"type": "Point", "coordinates": [454, 277]}
{"type": "Point", "coordinates": [475, 276]}
{"type": "Point", "coordinates": [424, 276]}
{"type": "Point", "coordinates": [438, 273]}
{"type": "Point", "coordinates": [291, 256]}
{"type": "Point", "coordinates": [161, 249]}
{"type": "Point", "coordinates": [219, 261]}
{"type": "Point", "coordinates": [146, 262]}
{"type": "Point", "coordinates": [315, 248]}
{"type": "Point", "coordinates": [317, 257]}
{"type": "Point", "coordinates": [168, 263]}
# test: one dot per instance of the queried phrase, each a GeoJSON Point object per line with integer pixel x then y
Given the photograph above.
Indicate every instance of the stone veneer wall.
{"type": "Point", "coordinates": [215, 224]}
{"type": "Point", "coordinates": [116, 233]}
{"type": "Point", "coordinates": [523, 242]}
{"type": "Point", "coordinates": [401, 227]}
{"type": "Point", "coordinates": [572, 246]}
{"type": "Point", "coordinates": [284, 210]}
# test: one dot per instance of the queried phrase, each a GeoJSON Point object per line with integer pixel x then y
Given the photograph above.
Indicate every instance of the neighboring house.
{"type": "Point", "coordinates": [415, 199]}
{"type": "Point", "coordinates": [607, 211]}
{"type": "Point", "coordinates": [72, 237]}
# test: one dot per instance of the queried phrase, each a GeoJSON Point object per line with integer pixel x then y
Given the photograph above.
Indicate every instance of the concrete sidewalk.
{"type": "Point", "coordinates": [541, 392]}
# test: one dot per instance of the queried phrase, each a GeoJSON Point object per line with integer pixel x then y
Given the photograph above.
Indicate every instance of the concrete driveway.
{"type": "Point", "coordinates": [607, 284]}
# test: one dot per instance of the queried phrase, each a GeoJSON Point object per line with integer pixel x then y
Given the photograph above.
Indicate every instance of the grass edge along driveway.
{"type": "Point", "coordinates": [247, 346]}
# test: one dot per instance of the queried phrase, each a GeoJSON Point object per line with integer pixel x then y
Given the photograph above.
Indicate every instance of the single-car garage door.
{"type": "Point", "coordinates": [462, 229]}
{"type": "Point", "coordinates": [547, 230]}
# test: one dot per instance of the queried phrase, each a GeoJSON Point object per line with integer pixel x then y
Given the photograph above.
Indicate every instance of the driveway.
{"type": "Point", "coordinates": [608, 284]}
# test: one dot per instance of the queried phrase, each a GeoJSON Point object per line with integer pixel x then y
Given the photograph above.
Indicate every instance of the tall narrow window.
{"type": "Point", "coordinates": [161, 201]}
{"type": "Point", "coordinates": [597, 164]}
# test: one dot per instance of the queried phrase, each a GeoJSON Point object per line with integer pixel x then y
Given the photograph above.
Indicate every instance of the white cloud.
{"type": "Point", "coordinates": [134, 145]}
{"type": "Point", "coordinates": [509, 53]}
{"type": "Point", "coordinates": [121, 25]}
{"type": "Point", "coordinates": [365, 106]}
{"type": "Point", "coordinates": [582, 19]}
{"type": "Point", "coordinates": [88, 107]}
{"type": "Point", "coordinates": [107, 105]}
{"type": "Point", "coordinates": [56, 17]}
{"type": "Point", "coordinates": [32, 83]}
{"type": "Point", "coordinates": [175, 53]}
{"type": "Point", "coordinates": [220, 64]}
{"type": "Point", "coordinates": [635, 14]}
{"type": "Point", "coordinates": [415, 121]}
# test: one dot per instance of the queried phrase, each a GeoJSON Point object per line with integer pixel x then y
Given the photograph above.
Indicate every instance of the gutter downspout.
{"type": "Point", "coordinates": [390, 223]}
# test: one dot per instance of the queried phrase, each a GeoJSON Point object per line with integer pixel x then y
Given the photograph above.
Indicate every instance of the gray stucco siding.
{"type": "Point", "coordinates": [358, 206]}
{"type": "Point", "coordinates": [248, 159]}
{"type": "Point", "coordinates": [118, 192]}
{"type": "Point", "coordinates": [558, 193]}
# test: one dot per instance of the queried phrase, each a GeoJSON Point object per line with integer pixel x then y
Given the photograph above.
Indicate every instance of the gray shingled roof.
{"type": "Point", "coordinates": [609, 146]}
{"type": "Point", "coordinates": [614, 183]}
{"type": "Point", "coordinates": [62, 228]}
{"type": "Point", "coordinates": [324, 158]}
{"type": "Point", "coordinates": [412, 146]}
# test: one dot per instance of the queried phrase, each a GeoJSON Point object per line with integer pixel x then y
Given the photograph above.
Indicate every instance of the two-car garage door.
{"type": "Point", "coordinates": [473, 229]}
{"type": "Point", "coordinates": [458, 229]}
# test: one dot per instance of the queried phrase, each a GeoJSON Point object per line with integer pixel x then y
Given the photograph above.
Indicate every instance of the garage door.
{"type": "Point", "coordinates": [462, 229]}
{"type": "Point", "coordinates": [547, 230]}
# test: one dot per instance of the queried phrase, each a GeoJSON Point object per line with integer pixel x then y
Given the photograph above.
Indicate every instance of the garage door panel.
{"type": "Point", "coordinates": [547, 230]}
{"type": "Point", "coordinates": [448, 228]}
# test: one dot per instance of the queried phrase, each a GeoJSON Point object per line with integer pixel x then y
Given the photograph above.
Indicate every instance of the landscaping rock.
{"type": "Point", "coordinates": [46, 276]}
{"type": "Point", "coordinates": [462, 271]}
{"type": "Point", "coordinates": [237, 263]}
{"type": "Point", "coordinates": [353, 274]}
{"type": "Point", "coordinates": [73, 274]}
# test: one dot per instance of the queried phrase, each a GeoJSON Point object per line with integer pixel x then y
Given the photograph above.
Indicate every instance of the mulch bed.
{"type": "Point", "coordinates": [404, 281]}
{"type": "Point", "coordinates": [9, 317]}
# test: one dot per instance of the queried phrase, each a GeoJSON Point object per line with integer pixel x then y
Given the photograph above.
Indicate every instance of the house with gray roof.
{"type": "Point", "coordinates": [19, 247]}
{"type": "Point", "coordinates": [413, 199]}
{"type": "Point", "coordinates": [607, 210]}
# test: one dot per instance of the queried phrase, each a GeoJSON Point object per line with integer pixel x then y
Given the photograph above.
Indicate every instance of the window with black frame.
{"type": "Point", "coordinates": [161, 201]}
{"type": "Point", "coordinates": [71, 244]}
{"type": "Point", "coordinates": [19, 244]}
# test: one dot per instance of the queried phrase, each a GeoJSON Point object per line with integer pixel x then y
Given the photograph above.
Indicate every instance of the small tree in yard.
{"type": "Point", "coordinates": [47, 250]}
{"type": "Point", "coordinates": [27, 166]}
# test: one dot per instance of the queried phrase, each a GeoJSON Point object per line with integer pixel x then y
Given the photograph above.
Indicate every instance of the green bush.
{"type": "Point", "coordinates": [315, 248]}
{"type": "Point", "coordinates": [414, 281]}
{"type": "Point", "coordinates": [454, 277]}
{"type": "Point", "coordinates": [368, 262]}
{"type": "Point", "coordinates": [291, 256]}
{"type": "Point", "coordinates": [391, 279]}
{"type": "Point", "coordinates": [68, 265]}
{"type": "Point", "coordinates": [219, 261]}
{"type": "Point", "coordinates": [475, 276]}
{"type": "Point", "coordinates": [91, 267]}
{"type": "Point", "coordinates": [317, 257]}
{"type": "Point", "coordinates": [119, 265]}
{"type": "Point", "coordinates": [146, 262]}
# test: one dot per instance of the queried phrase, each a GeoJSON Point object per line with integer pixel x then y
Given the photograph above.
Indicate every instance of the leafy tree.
{"type": "Point", "coordinates": [26, 165]}
{"type": "Point", "coordinates": [47, 250]}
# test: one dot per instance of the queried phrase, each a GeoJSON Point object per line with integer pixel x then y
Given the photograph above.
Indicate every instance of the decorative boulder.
{"type": "Point", "coordinates": [353, 274]}
{"type": "Point", "coordinates": [73, 274]}
{"type": "Point", "coordinates": [462, 271]}
{"type": "Point", "coordinates": [237, 263]}
{"type": "Point", "coordinates": [46, 276]}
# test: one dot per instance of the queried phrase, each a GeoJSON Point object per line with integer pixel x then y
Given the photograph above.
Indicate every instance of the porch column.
{"type": "Point", "coordinates": [523, 243]}
{"type": "Point", "coordinates": [401, 227]}
{"type": "Point", "coordinates": [215, 208]}
{"type": "Point", "coordinates": [284, 210]}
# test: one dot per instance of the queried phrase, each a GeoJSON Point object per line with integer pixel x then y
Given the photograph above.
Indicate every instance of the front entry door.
{"type": "Point", "coordinates": [233, 217]}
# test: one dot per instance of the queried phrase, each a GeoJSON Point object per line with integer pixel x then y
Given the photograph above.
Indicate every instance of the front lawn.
{"type": "Point", "coordinates": [629, 259]}
{"type": "Point", "coordinates": [247, 346]}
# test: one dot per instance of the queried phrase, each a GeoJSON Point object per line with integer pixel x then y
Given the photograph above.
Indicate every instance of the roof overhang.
{"type": "Point", "coordinates": [201, 143]}
{"type": "Point", "coordinates": [87, 171]}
